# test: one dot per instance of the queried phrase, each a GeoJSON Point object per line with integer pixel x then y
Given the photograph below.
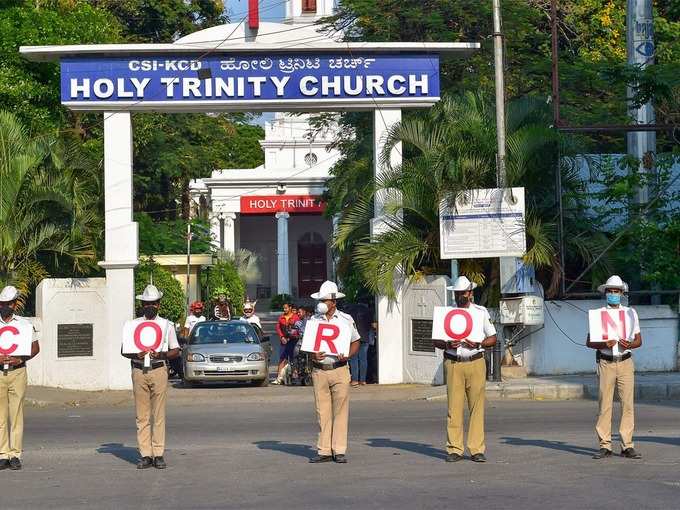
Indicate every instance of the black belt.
{"type": "Point", "coordinates": [10, 368]}
{"type": "Point", "coordinates": [154, 365]}
{"type": "Point", "coordinates": [614, 359]}
{"type": "Point", "coordinates": [329, 366]}
{"type": "Point", "coordinates": [459, 359]}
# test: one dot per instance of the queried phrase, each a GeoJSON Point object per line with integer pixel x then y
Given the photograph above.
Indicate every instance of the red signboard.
{"type": "Point", "coordinates": [284, 203]}
{"type": "Point", "coordinates": [253, 14]}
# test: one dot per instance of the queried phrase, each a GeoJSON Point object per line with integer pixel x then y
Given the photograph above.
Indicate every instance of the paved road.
{"type": "Point", "coordinates": [254, 455]}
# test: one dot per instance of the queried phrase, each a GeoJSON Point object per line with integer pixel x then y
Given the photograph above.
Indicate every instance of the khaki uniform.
{"type": "Point", "coordinates": [331, 396]}
{"type": "Point", "coordinates": [150, 388]}
{"type": "Point", "coordinates": [12, 392]}
{"type": "Point", "coordinates": [619, 376]}
{"type": "Point", "coordinates": [466, 379]}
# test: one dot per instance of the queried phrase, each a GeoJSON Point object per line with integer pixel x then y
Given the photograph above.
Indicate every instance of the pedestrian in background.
{"type": "Point", "coordinates": [617, 372]}
{"type": "Point", "coordinates": [13, 382]}
{"type": "Point", "coordinates": [288, 338]}
{"type": "Point", "coordinates": [358, 364]}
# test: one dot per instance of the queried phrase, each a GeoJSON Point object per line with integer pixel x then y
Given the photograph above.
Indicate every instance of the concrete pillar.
{"type": "Point", "coordinates": [216, 231]}
{"type": "Point", "coordinates": [229, 231]}
{"type": "Point", "coordinates": [390, 317]}
{"type": "Point", "coordinates": [283, 264]}
{"type": "Point", "coordinates": [121, 241]}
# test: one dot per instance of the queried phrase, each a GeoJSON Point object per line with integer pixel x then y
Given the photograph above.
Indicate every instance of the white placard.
{"type": "Point", "coordinates": [16, 339]}
{"type": "Point", "coordinates": [483, 223]}
{"type": "Point", "coordinates": [450, 323]}
{"type": "Point", "coordinates": [328, 337]}
{"type": "Point", "coordinates": [145, 336]}
{"type": "Point", "coordinates": [606, 324]}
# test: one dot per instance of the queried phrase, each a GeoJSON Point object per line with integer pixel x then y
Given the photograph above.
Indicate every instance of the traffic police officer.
{"type": "Point", "coordinates": [150, 385]}
{"type": "Point", "coordinates": [465, 370]}
{"type": "Point", "coordinates": [331, 379]}
{"type": "Point", "coordinates": [12, 388]}
{"type": "Point", "coordinates": [617, 371]}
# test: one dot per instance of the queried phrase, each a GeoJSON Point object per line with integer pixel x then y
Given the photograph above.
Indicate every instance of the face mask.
{"type": "Point", "coordinates": [150, 312]}
{"type": "Point", "coordinates": [321, 307]}
{"type": "Point", "coordinates": [6, 311]}
{"type": "Point", "coordinates": [614, 299]}
{"type": "Point", "coordinates": [461, 300]}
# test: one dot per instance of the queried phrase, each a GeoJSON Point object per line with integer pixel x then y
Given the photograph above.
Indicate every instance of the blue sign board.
{"type": "Point", "coordinates": [222, 81]}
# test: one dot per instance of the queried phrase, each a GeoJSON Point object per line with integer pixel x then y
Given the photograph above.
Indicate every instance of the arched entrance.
{"type": "Point", "coordinates": [312, 266]}
{"type": "Point", "coordinates": [259, 67]}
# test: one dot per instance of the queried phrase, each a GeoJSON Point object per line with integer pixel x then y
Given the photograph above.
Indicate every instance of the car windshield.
{"type": "Point", "coordinates": [223, 333]}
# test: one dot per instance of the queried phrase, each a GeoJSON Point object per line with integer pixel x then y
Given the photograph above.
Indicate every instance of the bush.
{"type": "Point", "coordinates": [279, 300]}
{"type": "Point", "coordinates": [173, 303]}
{"type": "Point", "coordinates": [223, 278]}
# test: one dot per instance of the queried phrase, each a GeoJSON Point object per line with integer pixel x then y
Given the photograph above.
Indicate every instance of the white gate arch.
{"type": "Point", "coordinates": [234, 68]}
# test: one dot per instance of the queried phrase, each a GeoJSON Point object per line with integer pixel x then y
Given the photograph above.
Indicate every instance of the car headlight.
{"type": "Point", "coordinates": [256, 356]}
{"type": "Point", "coordinates": [195, 356]}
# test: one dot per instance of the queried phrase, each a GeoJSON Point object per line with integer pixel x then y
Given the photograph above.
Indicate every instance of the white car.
{"type": "Point", "coordinates": [225, 351]}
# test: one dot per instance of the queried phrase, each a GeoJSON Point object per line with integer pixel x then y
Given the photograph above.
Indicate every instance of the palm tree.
{"type": "Point", "coordinates": [451, 150]}
{"type": "Point", "coordinates": [48, 212]}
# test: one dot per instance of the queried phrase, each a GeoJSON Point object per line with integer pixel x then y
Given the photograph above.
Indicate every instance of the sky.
{"type": "Point", "coordinates": [270, 10]}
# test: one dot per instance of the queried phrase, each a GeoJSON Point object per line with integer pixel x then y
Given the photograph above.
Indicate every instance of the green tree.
{"type": "Point", "coordinates": [170, 237]}
{"type": "Point", "coordinates": [223, 278]}
{"type": "Point", "coordinates": [450, 151]}
{"type": "Point", "coordinates": [46, 216]}
{"type": "Point", "coordinates": [173, 304]}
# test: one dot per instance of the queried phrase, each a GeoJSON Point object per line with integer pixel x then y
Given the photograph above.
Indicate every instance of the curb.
{"type": "Point", "coordinates": [587, 391]}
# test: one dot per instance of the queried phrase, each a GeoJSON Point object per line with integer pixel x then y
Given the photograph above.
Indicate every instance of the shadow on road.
{"type": "Point", "coordinates": [301, 450]}
{"type": "Point", "coordinates": [126, 453]}
{"type": "Point", "coordinates": [673, 441]}
{"type": "Point", "coordinates": [553, 445]}
{"type": "Point", "coordinates": [407, 446]}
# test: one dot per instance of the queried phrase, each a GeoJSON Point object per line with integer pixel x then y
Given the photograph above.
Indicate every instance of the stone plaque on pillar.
{"type": "Point", "coordinates": [422, 362]}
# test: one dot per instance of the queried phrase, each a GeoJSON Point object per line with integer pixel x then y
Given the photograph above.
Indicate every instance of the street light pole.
{"type": "Point", "coordinates": [501, 177]}
{"type": "Point", "coordinates": [188, 263]}
{"type": "Point", "coordinates": [500, 92]}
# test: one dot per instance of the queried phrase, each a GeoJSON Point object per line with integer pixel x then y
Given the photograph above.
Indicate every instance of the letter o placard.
{"type": "Point", "coordinates": [13, 347]}
{"type": "Point", "coordinates": [138, 336]}
{"type": "Point", "coordinates": [448, 319]}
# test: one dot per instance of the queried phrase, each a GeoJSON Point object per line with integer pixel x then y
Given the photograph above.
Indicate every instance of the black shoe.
{"type": "Point", "coordinates": [630, 453]}
{"type": "Point", "coordinates": [15, 464]}
{"type": "Point", "coordinates": [321, 458]}
{"type": "Point", "coordinates": [159, 462]}
{"type": "Point", "coordinates": [478, 457]}
{"type": "Point", "coordinates": [145, 463]}
{"type": "Point", "coordinates": [4, 464]}
{"type": "Point", "coordinates": [340, 459]}
{"type": "Point", "coordinates": [453, 457]}
{"type": "Point", "coordinates": [602, 454]}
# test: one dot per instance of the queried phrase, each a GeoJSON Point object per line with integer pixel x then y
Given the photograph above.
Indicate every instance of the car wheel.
{"type": "Point", "coordinates": [307, 380]}
{"type": "Point", "coordinates": [262, 382]}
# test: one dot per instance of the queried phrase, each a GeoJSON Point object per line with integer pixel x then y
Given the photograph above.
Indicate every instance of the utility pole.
{"type": "Point", "coordinates": [641, 144]}
{"type": "Point", "coordinates": [500, 92]}
{"type": "Point", "coordinates": [501, 176]}
{"type": "Point", "coordinates": [188, 264]}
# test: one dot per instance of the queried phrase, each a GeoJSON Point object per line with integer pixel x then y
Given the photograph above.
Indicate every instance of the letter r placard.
{"type": "Point", "coordinates": [329, 337]}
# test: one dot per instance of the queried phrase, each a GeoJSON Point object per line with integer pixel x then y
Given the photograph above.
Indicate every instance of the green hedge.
{"type": "Point", "coordinates": [279, 300]}
{"type": "Point", "coordinates": [223, 278]}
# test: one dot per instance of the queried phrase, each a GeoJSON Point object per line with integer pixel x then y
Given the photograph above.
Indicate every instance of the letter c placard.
{"type": "Point", "coordinates": [13, 347]}
{"type": "Point", "coordinates": [448, 319]}
{"type": "Point", "coordinates": [138, 336]}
